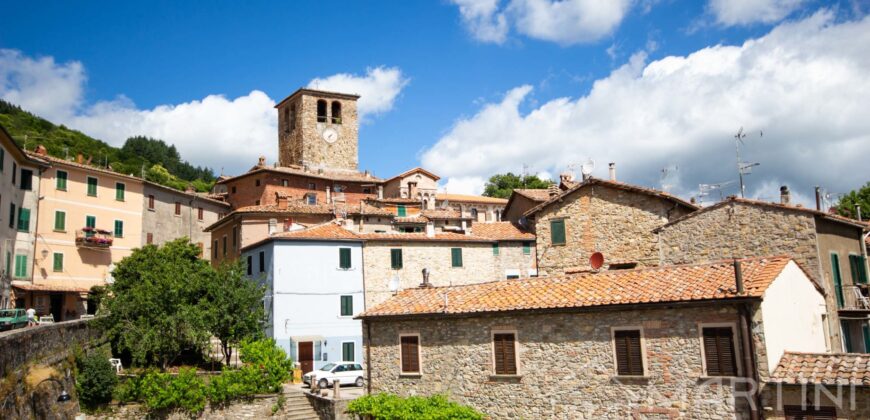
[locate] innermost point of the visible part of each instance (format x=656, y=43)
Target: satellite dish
x=394, y=284
x=596, y=260
x=586, y=168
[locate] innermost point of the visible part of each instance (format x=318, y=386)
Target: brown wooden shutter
x=410, y=355
x=629, y=359
x=719, y=351
x=505, y=354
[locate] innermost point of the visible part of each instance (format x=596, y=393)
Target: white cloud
x=562, y=21
x=744, y=12
x=215, y=131
x=378, y=88
x=804, y=84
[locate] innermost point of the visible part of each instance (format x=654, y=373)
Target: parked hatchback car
x=12, y=318
x=343, y=372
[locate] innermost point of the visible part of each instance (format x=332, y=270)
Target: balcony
x=89, y=237
x=854, y=298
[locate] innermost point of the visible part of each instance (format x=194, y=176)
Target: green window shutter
x=92, y=186
x=21, y=266
x=865, y=329
x=838, y=280
x=346, y=305
x=527, y=248
x=862, y=271
x=91, y=221
x=344, y=258
x=402, y=211
x=396, y=259
x=557, y=232
x=59, y=220
x=347, y=352
x=858, y=268
x=61, y=180
x=847, y=336
x=495, y=249
x=23, y=219
x=8, y=260
x=119, y=228
x=119, y=191
x=58, y=262
x=456, y=257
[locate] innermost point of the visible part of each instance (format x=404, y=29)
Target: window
x=401, y=211
x=11, y=215
x=311, y=199
x=396, y=258
x=262, y=257
x=344, y=258
x=250, y=267
x=57, y=265
x=796, y=412
x=504, y=357
x=60, y=221
x=474, y=214
x=347, y=352
x=838, y=280
x=23, y=220
x=312, y=186
x=409, y=353
x=26, y=179
x=119, y=228
x=321, y=111
x=150, y=202
x=149, y=238
x=92, y=186
x=119, y=191
x=495, y=249
x=199, y=213
x=91, y=221
x=225, y=245
x=215, y=249
x=557, y=232
x=527, y=248
x=718, y=346
x=2, y=156
x=14, y=173
x=177, y=208
x=233, y=190
x=60, y=180
x=336, y=112
x=257, y=183
x=858, y=265
x=628, y=352
x=286, y=120
x=21, y=266
x=293, y=116
x=347, y=306
x=456, y=257
x=285, y=183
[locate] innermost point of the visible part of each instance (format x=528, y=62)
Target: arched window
x=292, y=117
x=336, y=112
x=474, y=214
x=321, y=111
x=286, y=122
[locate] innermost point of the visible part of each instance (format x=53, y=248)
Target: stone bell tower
x=318, y=130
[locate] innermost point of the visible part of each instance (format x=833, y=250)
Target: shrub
x=234, y=383
x=96, y=379
x=392, y=407
x=128, y=390
x=163, y=391
x=276, y=368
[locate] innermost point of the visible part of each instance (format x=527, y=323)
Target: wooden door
x=306, y=356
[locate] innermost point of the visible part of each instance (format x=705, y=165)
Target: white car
x=343, y=372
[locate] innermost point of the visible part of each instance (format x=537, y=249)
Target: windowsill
x=151, y=209
x=705, y=378
x=60, y=189
x=345, y=269
x=558, y=244
x=457, y=267
x=59, y=231
x=629, y=378
x=121, y=201
x=410, y=375
x=506, y=378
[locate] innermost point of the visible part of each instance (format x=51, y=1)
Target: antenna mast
x=743, y=168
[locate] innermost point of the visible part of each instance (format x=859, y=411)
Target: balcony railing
x=853, y=298
x=94, y=238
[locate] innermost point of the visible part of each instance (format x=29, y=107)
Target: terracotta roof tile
x=421, y=236
x=415, y=170
x=332, y=175
x=293, y=206
x=365, y=210
x=329, y=230
x=823, y=369
x=442, y=214
x=411, y=219
x=52, y=159
x=501, y=231
x=652, y=285
x=612, y=184
x=536, y=194
x=463, y=198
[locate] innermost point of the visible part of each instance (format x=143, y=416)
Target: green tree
x=96, y=379
x=233, y=307
x=502, y=185
x=846, y=206
x=155, y=312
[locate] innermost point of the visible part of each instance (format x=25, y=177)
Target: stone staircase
x=297, y=407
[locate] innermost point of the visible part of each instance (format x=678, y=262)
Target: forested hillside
x=140, y=156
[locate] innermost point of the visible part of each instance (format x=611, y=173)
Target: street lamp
x=62, y=398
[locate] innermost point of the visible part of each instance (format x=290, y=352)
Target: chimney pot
x=80, y=158
x=738, y=275
x=784, y=195
x=40, y=150
x=818, y=198
x=611, y=167
x=261, y=162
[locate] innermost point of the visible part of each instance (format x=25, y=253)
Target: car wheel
x=359, y=381
x=323, y=384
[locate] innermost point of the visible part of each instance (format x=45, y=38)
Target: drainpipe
x=747, y=346
x=368, y=345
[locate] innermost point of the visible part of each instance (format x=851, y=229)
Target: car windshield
x=328, y=366
x=7, y=313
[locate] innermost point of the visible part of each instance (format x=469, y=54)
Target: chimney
x=565, y=177
x=738, y=275
x=281, y=201
x=79, y=158
x=611, y=168
x=273, y=226
x=818, y=198
x=784, y=195
x=430, y=229
x=328, y=195
x=380, y=192
x=692, y=200
x=261, y=162
x=40, y=150
x=553, y=190
x=425, y=283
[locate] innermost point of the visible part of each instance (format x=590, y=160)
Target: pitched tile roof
x=331, y=175
x=293, y=207
x=329, y=230
x=535, y=194
x=501, y=231
x=421, y=236
x=823, y=369
x=612, y=184
x=463, y=198
x=444, y=214
x=684, y=283
x=414, y=170
x=411, y=219
x=56, y=160
x=364, y=209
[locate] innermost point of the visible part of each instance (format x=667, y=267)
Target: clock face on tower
x=329, y=135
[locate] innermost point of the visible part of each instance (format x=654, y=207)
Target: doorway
x=56, y=307
x=306, y=356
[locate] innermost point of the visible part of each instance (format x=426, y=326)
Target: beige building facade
x=169, y=214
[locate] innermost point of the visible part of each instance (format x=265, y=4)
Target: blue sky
x=115, y=69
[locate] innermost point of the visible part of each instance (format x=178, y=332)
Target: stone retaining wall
x=46, y=344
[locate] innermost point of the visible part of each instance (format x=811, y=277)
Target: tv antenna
x=667, y=171
x=525, y=174
x=743, y=168
x=705, y=190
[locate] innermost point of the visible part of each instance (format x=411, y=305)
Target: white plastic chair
x=863, y=301
x=116, y=363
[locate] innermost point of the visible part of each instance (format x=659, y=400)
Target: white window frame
x=643, y=361
x=738, y=357
x=505, y=330
x=419, y=354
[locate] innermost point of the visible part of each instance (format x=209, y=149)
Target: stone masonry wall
x=612, y=221
x=565, y=364
x=164, y=225
x=850, y=402
x=304, y=144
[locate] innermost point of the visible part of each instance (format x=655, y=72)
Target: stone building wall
x=164, y=225
x=850, y=402
x=565, y=364
x=263, y=186
x=304, y=145
x=615, y=222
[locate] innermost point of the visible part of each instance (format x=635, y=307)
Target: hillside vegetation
x=140, y=156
